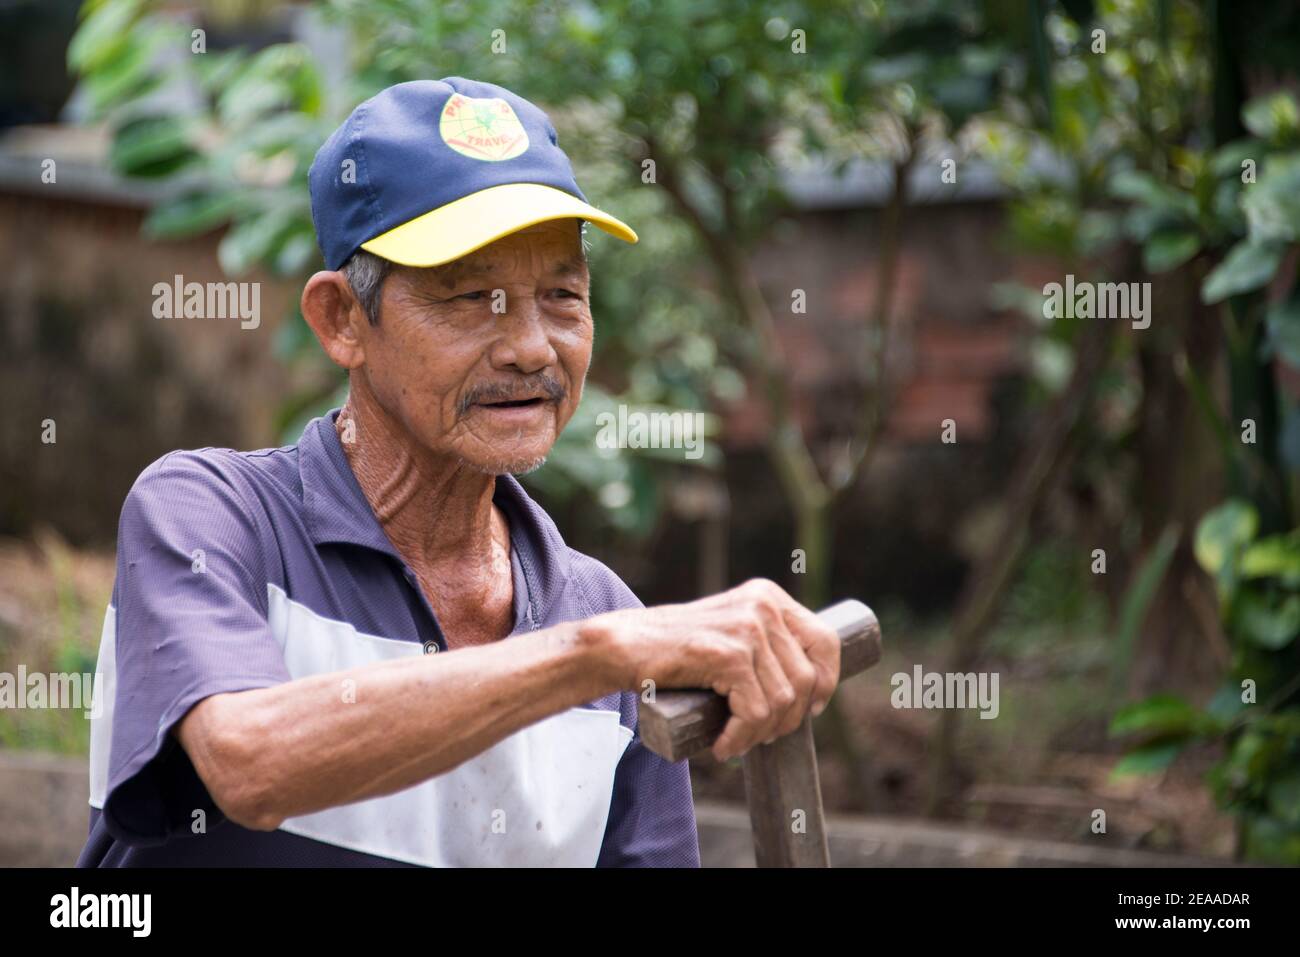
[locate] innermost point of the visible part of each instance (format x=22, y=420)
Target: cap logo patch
x=482, y=129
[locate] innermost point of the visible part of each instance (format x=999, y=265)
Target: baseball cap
x=428, y=171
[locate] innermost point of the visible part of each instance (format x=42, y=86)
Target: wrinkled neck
x=434, y=509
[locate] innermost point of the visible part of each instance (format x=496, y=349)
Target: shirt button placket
x=430, y=647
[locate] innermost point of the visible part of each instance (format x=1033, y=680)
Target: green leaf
x=257, y=241
x=1267, y=622
x=152, y=146
x=1272, y=205
x=1248, y=266
x=1277, y=556
x=104, y=34
x=1148, y=758
x=127, y=75
x=1223, y=533
x=217, y=69
x=280, y=77
x=1144, y=189
x=1169, y=250
x=1161, y=715
x=1275, y=118
x=1141, y=222
x=1228, y=158
x=190, y=215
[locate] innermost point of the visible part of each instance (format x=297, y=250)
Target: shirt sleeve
x=191, y=621
x=652, y=813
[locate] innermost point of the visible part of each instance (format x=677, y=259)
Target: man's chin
x=514, y=466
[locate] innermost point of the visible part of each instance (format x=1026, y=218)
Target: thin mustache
x=503, y=392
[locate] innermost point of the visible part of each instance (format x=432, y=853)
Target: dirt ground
x=1042, y=768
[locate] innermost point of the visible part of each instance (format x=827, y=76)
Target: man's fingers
x=821, y=645
x=801, y=675
x=728, y=744
x=748, y=705
x=781, y=695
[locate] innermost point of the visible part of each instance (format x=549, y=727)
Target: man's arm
x=272, y=753
x=267, y=754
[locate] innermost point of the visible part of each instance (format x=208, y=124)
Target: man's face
x=484, y=358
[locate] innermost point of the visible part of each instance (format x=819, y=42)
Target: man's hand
x=772, y=658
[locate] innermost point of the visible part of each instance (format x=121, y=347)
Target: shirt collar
x=336, y=511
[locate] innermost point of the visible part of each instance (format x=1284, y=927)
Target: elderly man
x=372, y=648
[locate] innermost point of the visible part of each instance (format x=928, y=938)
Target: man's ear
x=333, y=313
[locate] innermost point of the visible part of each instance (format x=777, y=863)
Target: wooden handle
x=681, y=724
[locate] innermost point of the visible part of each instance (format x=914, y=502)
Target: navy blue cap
x=427, y=171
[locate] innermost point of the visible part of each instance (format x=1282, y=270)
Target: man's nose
x=523, y=337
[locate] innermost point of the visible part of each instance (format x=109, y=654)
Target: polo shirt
x=240, y=570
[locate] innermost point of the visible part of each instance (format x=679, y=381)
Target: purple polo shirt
x=240, y=570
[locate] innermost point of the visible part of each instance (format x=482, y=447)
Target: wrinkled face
x=484, y=358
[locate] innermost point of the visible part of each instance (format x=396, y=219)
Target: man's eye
x=471, y=296
x=568, y=294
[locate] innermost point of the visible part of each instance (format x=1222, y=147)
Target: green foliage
x=1141, y=146
x=1247, y=267
x=1256, y=714
x=1274, y=119
x=1252, y=210
x=1148, y=758
x=1269, y=205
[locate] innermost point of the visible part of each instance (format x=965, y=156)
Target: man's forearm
x=319, y=742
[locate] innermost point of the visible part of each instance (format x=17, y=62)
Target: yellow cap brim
x=471, y=222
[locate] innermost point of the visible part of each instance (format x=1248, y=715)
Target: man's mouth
x=518, y=403
x=514, y=403
x=516, y=413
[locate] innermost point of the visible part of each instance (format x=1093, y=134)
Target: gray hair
x=366, y=273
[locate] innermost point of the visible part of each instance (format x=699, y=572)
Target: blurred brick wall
x=79, y=344
x=948, y=347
